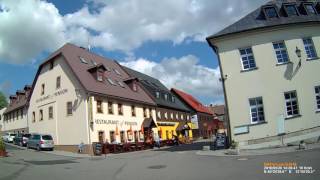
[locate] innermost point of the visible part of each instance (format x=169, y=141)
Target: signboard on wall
x=195, y=122
x=115, y=122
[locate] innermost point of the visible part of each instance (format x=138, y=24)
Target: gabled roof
x=217, y=110
x=257, y=20
x=152, y=86
x=80, y=60
x=191, y=101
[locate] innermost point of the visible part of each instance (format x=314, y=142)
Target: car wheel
x=51, y=149
x=38, y=148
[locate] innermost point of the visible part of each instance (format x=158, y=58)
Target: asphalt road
x=164, y=164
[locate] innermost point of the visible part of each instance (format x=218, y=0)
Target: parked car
x=21, y=139
x=40, y=142
x=8, y=137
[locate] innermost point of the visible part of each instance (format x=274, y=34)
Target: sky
x=164, y=39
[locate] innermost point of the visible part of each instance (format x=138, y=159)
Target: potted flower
x=234, y=148
x=3, y=152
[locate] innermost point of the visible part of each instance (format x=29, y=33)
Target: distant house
x=15, y=117
x=202, y=118
x=269, y=63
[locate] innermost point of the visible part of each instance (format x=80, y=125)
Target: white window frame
x=281, y=50
x=292, y=99
x=257, y=105
x=247, y=56
x=308, y=47
x=317, y=88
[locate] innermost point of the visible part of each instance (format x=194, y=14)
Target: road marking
x=242, y=159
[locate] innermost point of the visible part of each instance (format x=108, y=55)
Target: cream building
x=82, y=97
x=15, y=117
x=1, y=119
x=269, y=62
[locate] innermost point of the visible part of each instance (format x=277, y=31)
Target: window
x=17, y=114
x=42, y=89
x=166, y=115
x=33, y=116
x=256, y=110
x=247, y=59
x=281, y=52
x=110, y=107
x=111, y=82
x=159, y=114
x=99, y=106
x=99, y=76
x=171, y=115
x=112, y=137
x=166, y=97
x=134, y=86
x=69, y=108
x=120, y=109
x=122, y=137
x=133, y=110
x=93, y=62
x=144, y=112
x=157, y=95
x=308, y=46
x=181, y=116
x=271, y=12
x=291, y=10
x=40, y=115
x=117, y=72
x=121, y=84
x=291, y=103
x=51, y=65
x=82, y=60
x=173, y=99
x=317, y=91
x=58, y=82
x=150, y=112
x=310, y=9
x=50, y=112
x=177, y=116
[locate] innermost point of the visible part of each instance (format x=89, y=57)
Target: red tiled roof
x=191, y=101
x=217, y=109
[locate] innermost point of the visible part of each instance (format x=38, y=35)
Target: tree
x=3, y=101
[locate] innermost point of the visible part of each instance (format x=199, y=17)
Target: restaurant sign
x=115, y=122
x=58, y=93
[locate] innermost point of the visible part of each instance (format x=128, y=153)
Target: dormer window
x=166, y=97
x=93, y=62
x=117, y=72
x=173, y=99
x=157, y=95
x=82, y=60
x=309, y=8
x=291, y=10
x=100, y=76
x=271, y=12
x=134, y=87
x=111, y=82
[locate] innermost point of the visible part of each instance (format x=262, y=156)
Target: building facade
x=2, y=119
x=15, y=117
x=201, y=118
x=269, y=62
x=82, y=97
x=172, y=116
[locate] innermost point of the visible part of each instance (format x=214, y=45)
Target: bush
x=2, y=145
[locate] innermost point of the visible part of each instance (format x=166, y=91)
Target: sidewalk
x=257, y=152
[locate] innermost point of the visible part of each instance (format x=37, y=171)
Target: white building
x=2, y=119
x=269, y=62
x=16, y=114
x=82, y=97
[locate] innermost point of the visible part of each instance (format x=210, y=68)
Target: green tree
x=3, y=101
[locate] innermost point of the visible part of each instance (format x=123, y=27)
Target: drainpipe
x=223, y=78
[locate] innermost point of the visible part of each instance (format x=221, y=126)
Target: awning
x=183, y=126
x=149, y=123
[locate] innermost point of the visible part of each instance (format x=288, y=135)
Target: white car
x=8, y=137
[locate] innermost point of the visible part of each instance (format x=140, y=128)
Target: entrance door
x=136, y=137
x=122, y=138
x=101, y=136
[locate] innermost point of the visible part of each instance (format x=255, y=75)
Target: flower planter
x=3, y=153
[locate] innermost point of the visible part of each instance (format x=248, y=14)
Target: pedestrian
x=80, y=147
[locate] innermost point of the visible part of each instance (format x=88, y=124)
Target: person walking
x=80, y=147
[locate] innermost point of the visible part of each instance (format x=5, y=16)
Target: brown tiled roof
x=17, y=104
x=72, y=54
x=217, y=109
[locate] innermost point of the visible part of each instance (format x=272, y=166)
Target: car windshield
x=46, y=137
x=12, y=134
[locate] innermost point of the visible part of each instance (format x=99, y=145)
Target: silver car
x=41, y=142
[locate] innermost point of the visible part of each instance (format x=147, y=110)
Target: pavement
x=173, y=163
x=257, y=152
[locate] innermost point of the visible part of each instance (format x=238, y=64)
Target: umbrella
x=117, y=130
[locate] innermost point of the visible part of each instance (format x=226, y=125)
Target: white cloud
x=182, y=73
x=31, y=27
x=27, y=29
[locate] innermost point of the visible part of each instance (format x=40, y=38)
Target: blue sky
x=148, y=39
